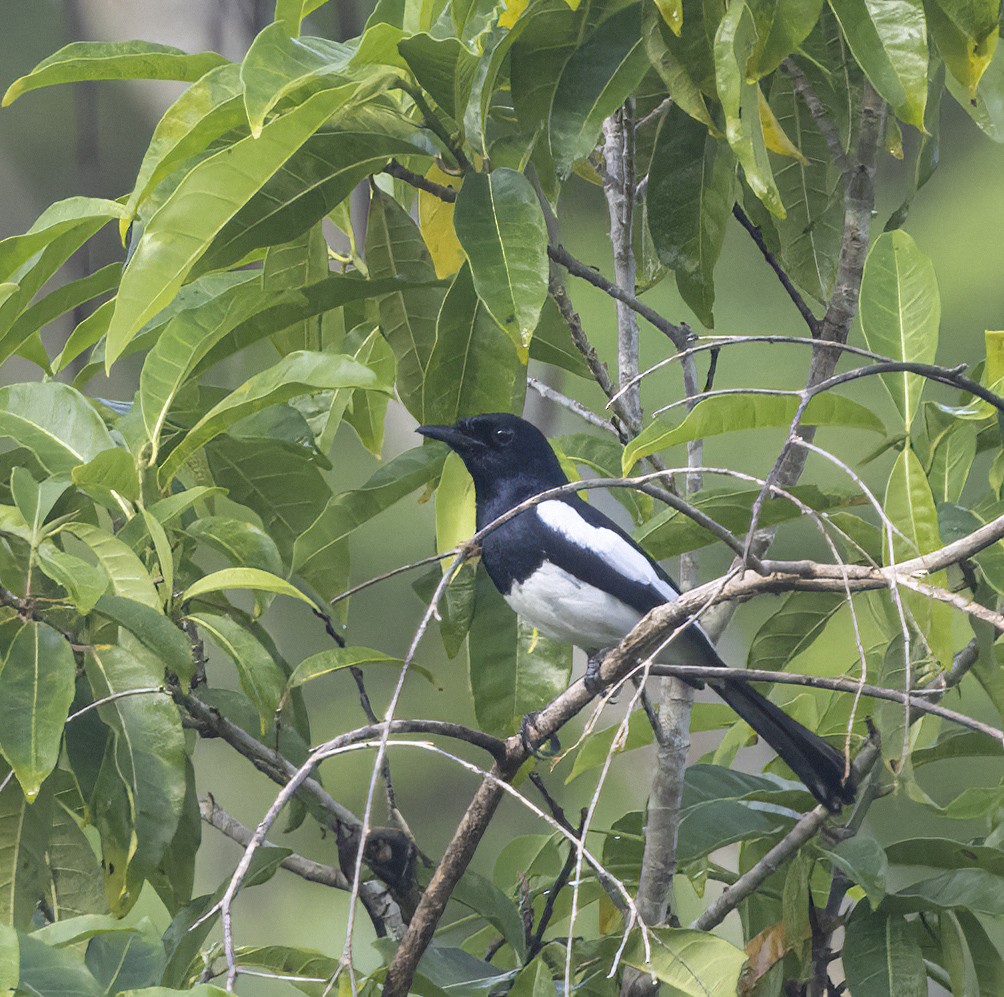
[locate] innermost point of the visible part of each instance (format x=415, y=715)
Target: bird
x=572, y=573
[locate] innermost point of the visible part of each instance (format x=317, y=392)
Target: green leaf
x=987, y=108
x=54, y=972
x=299, y=373
x=695, y=963
x=513, y=671
x=188, y=221
x=900, y=313
x=552, y=342
x=148, y=754
x=793, y=628
x=887, y=959
x=24, y=838
x=129, y=577
x=313, y=181
x=127, y=959
x=690, y=197
x=62, y=219
x=241, y=315
x=810, y=232
x=10, y=958
x=500, y=224
x=444, y=68
x=951, y=462
x=301, y=261
x=209, y=108
x=367, y=409
x=278, y=63
x=889, y=42
x=534, y=980
x=35, y=499
x=153, y=630
x=966, y=35
x=910, y=506
x=599, y=76
x=781, y=27
x=75, y=888
x=261, y=678
x=347, y=511
x=36, y=689
x=728, y=413
x=111, y=471
x=596, y=747
x=85, y=583
x=278, y=481
x=55, y=422
x=113, y=61
x=394, y=247
x=484, y=898
x=473, y=367
x=670, y=533
x=335, y=659
x=243, y=543
x=664, y=51
x=863, y=861
x=64, y=299
x=734, y=44
x=242, y=578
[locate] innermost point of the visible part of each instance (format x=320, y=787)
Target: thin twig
x=587, y=415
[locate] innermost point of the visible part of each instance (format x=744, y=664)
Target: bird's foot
x=592, y=679
x=547, y=747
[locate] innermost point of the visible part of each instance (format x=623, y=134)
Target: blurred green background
x=89, y=140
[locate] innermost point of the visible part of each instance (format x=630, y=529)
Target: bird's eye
x=504, y=436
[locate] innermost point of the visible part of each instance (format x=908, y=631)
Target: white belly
x=561, y=606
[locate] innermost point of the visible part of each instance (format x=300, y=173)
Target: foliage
x=132, y=533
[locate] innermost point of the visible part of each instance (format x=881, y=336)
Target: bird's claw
x=548, y=747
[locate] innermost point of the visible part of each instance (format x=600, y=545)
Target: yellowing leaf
x=435, y=220
x=672, y=14
x=774, y=136
x=510, y=15
x=995, y=356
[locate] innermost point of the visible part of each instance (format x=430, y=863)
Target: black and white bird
x=576, y=576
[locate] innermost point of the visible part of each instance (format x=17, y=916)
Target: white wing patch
x=621, y=555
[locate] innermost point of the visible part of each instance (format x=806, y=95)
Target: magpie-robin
x=576, y=576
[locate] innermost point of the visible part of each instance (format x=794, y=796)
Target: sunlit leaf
x=900, y=313
x=728, y=413
x=113, y=61
x=242, y=578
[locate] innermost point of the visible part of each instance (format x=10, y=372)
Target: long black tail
x=818, y=765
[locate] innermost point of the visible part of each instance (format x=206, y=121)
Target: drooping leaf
x=781, y=27
x=889, y=42
x=863, y=861
x=735, y=41
x=54, y=972
x=887, y=959
x=335, y=659
x=444, y=68
x=394, y=247
x=596, y=80
x=690, y=197
x=473, y=367
x=24, y=874
x=810, y=232
x=900, y=313
x=113, y=61
x=728, y=413
x=500, y=224
x=664, y=53
x=435, y=220
x=148, y=751
x=36, y=689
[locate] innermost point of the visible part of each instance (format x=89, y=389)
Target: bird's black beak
x=455, y=438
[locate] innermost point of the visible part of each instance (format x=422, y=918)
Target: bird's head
x=498, y=448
